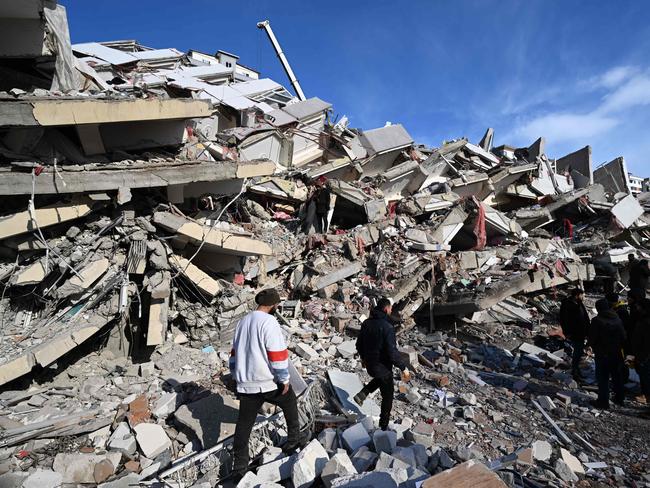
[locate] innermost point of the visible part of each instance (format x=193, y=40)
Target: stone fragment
x=573, y=462
x=165, y=405
x=42, y=478
x=339, y=465
x=384, y=441
x=250, y=480
x=386, y=461
x=309, y=464
x=347, y=349
x=129, y=481
x=363, y=459
x=305, y=351
x=421, y=433
x=355, y=436
x=469, y=474
x=564, y=472
x=542, y=450
x=413, y=396
x=546, y=403
x=122, y=440
x=103, y=470
x=375, y=479
x=199, y=417
x=278, y=470
x=327, y=438
x=525, y=456
x=80, y=467
x=468, y=413
x=152, y=439
x=138, y=411
x=468, y=399
x=405, y=454
x=421, y=456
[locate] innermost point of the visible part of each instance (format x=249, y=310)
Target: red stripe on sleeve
x=278, y=355
x=232, y=352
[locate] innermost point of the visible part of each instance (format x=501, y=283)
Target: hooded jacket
x=607, y=335
x=377, y=346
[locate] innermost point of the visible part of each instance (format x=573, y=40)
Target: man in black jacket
x=639, y=275
x=574, y=320
x=377, y=348
x=607, y=338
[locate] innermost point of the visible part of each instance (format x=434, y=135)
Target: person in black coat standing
x=574, y=320
x=639, y=275
x=607, y=339
x=640, y=309
x=377, y=348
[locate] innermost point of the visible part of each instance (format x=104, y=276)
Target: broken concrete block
x=405, y=454
x=546, y=403
x=203, y=281
x=278, y=470
x=384, y=441
x=355, y=436
x=375, y=479
x=467, y=399
x=308, y=465
x=250, y=480
x=542, y=450
x=80, y=467
x=339, y=465
x=43, y=478
x=421, y=456
x=165, y=405
x=103, y=470
x=305, y=351
x=199, y=417
x=122, y=440
x=347, y=349
x=470, y=474
x=386, y=461
x=84, y=278
x=152, y=439
x=128, y=481
x=421, y=433
x=363, y=459
x=564, y=472
x=327, y=438
x=572, y=462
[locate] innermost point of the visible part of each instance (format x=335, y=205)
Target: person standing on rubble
x=259, y=364
x=377, y=348
x=322, y=199
x=640, y=313
x=607, y=338
x=639, y=275
x=574, y=320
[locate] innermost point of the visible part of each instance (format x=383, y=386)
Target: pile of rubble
x=147, y=194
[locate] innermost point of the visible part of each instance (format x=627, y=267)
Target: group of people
x=259, y=366
x=619, y=332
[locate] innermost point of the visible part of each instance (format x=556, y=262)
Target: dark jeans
x=643, y=369
x=578, y=351
x=385, y=386
x=606, y=368
x=249, y=405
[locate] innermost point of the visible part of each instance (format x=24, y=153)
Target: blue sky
x=576, y=72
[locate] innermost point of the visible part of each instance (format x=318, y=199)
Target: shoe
x=620, y=404
x=360, y=397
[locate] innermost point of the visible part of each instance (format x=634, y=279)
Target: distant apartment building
x=636, y=184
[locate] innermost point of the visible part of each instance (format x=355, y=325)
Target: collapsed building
x=147, y=194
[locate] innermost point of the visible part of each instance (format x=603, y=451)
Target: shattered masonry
x=147, y=194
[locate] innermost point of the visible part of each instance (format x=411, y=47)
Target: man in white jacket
x=259, y=364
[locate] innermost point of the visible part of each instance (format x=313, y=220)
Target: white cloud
x=613, y=77
x=633, y=93
x=560, y=127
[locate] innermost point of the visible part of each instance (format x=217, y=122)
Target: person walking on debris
x=640, y=311
x=607, y=338
x=377, y=348
x=574, y=320
x=259, y=364
x=322, y=198
x=639, y=275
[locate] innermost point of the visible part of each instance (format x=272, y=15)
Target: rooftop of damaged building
x=147, y=194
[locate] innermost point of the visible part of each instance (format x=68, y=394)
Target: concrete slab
x=346, y=385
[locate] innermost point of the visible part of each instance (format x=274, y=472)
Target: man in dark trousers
x=377, y=348
x=259, y=364
x=639, y=275
x=607, y=338
x=640, y=311
x=574, y=320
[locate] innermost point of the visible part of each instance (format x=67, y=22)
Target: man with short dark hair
x=574, y=320
x=259, y=363
x=377, y=348
x=607, y=338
